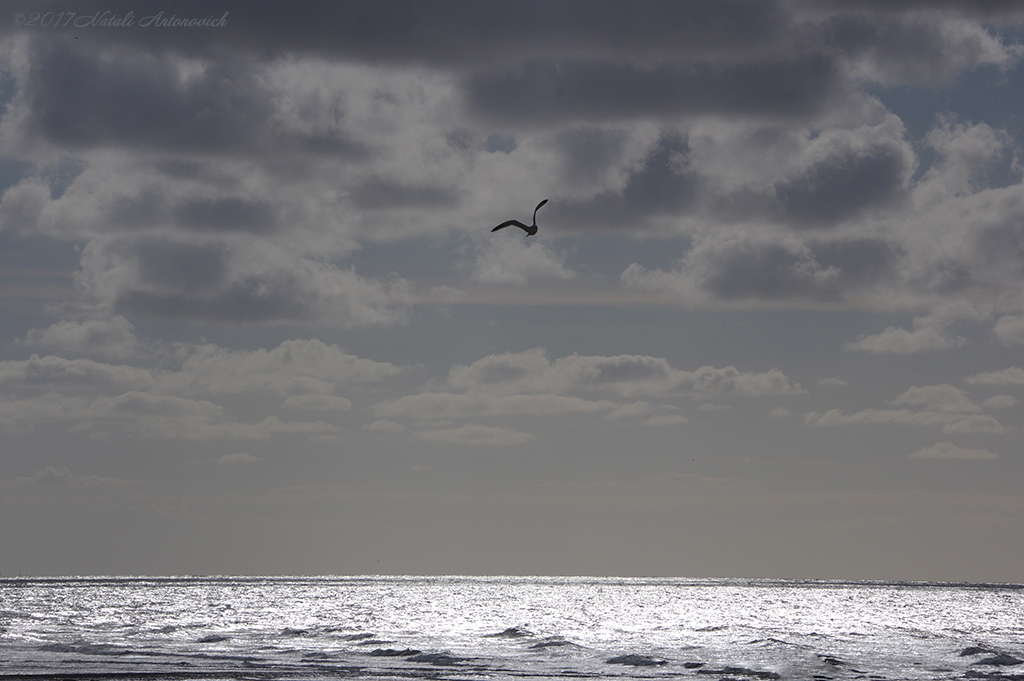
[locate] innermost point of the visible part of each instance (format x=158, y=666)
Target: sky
x=255, y=320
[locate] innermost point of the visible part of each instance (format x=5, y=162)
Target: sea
x=492, y=628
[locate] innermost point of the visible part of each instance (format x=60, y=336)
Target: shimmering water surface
x=508, y=627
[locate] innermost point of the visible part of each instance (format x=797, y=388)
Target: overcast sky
x=255, y=320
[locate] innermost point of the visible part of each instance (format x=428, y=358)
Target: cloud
x=56, y=374
x=975, y=423
x=543, y=92
x=189, y=402
x=238, y=458
x=142, y=415
x=233, y=281
x=1008, y=376
x=882, y=41
x=229, y=179
x=61, y=478
x=929, y=332
x=949, y=451
x=949, y=422
x=849, y=173
x=294, y=368
x=831, y=382
x=743, y=267
x=630, y=410
x=433, y=406
x=965, y=151
x=1000, y=401
x=161, y=100
x=471, y=434
x=898, y=341
x=1009, y=330
x=731, y=381
x=385, y=426
x=315, y=402
x=637, y=188
x=666, y=420
x=942, y=405
x=508, y=259
x=528, y=384
x=908, y=46
x=110, y=338
x=624, y=375
x=943, y=398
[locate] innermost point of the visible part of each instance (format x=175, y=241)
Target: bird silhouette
x=531, y=229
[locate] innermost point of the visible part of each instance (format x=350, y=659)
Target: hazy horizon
x=255, y=321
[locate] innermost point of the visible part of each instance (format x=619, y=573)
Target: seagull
x=531, y=230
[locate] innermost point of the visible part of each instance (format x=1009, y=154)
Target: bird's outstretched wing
x=510, y=223
x=537, y=209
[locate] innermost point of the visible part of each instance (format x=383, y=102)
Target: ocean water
x=507, y=628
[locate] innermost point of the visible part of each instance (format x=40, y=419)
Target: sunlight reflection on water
x=565, y=626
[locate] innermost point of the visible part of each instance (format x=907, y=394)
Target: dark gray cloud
x=181, y=267
x=82, y=97
x=769, y=271
x=469, y=33
x=1003, y=243
x=924, y=49
x=845, y=185
x=250, y=300
x=231, y=280
x=226, y=215
x=588, y=152
x=458, y=32
x=822, y=271
x=861, y=262
x=11, y=171
x=145, y=209
x=606, y=370
x=524, y=62
x=376, y=193
x=745, y=268
x=987, y=9
x=549, y=91
x=662, y=185
x=192, y=281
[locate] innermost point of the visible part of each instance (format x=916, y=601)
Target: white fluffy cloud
x=943, y=398
x=528, y=384
x=624, y=375
x=238, y=458
x=949, y=451
x=295, y=367
x=434, y=406
x=950, y=423
x=1000, y=401
x=903, y=342
x=53, y=374
x=111, y=338
x=1008, y=376
x=507, y=259
x=944, y=405
x=1009, y=330
x=929, y=332
x=189, y=402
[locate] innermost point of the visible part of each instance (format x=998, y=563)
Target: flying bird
x=530, y=230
